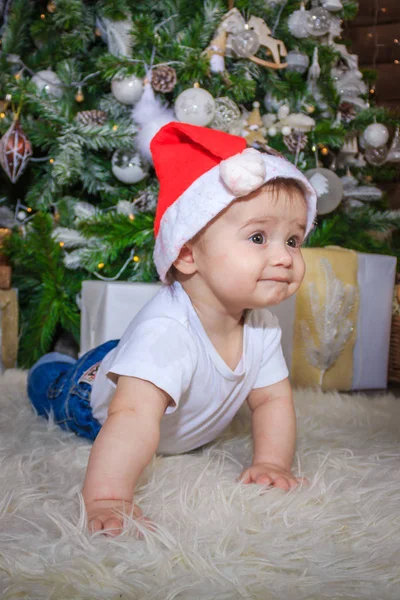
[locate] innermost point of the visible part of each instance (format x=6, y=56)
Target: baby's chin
x=270, y=293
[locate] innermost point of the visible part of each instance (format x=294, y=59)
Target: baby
x=229, y=226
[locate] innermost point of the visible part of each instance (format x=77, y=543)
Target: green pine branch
x=46, y=291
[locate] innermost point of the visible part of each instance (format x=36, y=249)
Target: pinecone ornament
x=295, y=141
x=347, y=111
x=163, y=79
x=91, y=117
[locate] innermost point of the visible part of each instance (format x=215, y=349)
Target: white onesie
x=167, y=345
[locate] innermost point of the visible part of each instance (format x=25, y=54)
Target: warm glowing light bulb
x=100, y=266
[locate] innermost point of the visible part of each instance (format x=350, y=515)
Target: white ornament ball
x=22, y=215
x=271, y=102
x=195, y=106
x=49, y=82
x=329, y=189
x=127, y=90
x=297, y=23
x=272, y=131
x=128, y=166
x=376, y=135
x=286, y=130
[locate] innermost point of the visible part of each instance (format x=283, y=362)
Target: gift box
x=108, y=308
x=8, y=328
x=343, y=312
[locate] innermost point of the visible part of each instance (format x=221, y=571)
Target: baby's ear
x=185, y=261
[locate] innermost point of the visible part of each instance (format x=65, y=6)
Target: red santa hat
x=201, y=171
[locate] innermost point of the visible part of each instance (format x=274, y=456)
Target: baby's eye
x=258, y=238
x=294, y=242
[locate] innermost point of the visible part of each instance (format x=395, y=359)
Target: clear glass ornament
x=297, y=61
x=195, y=106
x=376, y=156
x=226, y=115
x=394, y=150
x=318, y=21
x=245, y=43
x=128, y=166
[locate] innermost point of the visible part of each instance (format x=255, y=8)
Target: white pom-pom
x=244, y=172
x=150, y=114
x=217, y=63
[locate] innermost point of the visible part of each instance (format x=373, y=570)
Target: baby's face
x=250, y=256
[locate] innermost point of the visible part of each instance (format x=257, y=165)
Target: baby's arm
x=123, y=448
x=274, y=436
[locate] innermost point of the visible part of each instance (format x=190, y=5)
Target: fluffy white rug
x=216, y=539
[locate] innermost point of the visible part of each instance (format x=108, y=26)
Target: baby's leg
x=49, y=373
x=56, y=387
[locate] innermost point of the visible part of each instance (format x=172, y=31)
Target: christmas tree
x=84, y=86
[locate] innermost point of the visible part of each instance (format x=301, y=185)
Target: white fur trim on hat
x=208, y=195
x=243, y=173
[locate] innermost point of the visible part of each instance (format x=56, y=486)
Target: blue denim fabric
x=54, y=388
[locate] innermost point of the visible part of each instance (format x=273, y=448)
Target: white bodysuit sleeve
x=159, y=350
x=273, y=365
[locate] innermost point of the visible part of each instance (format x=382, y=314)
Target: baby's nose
x=280, y=255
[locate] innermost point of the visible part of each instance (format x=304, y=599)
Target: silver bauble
x=128, y=166
x=329, y=189
x=127, y=90
x=297, y=61
x=195, y=106
x=49, y=82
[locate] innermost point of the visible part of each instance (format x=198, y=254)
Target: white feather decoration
x=150, y=114
x=330, y=317
x=84, y=210
x=124, y=207
x=70, y=237
x=320, y=184
x=243, y=172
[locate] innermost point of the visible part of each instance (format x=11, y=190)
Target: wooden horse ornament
x=276, y=47
x=232, y=24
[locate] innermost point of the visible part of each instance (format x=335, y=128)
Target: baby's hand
x=104, y=515
x=270, y=474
